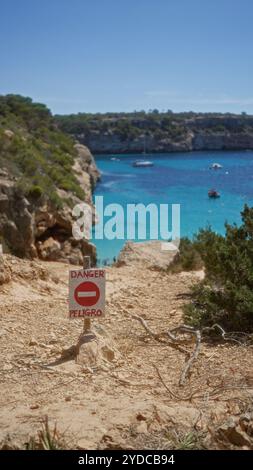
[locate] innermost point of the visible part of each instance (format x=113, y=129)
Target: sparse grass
x=47, y=439
x=164, y=439
x=192, y=440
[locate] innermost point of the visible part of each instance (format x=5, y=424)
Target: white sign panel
x=86, y=293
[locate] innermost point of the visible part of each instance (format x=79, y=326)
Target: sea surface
x=177, y=178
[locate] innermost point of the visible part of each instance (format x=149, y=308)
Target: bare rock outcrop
x=236, y=431
x=199, y=139
x=148, y=254
x=96, y=350
x=111, y=142
x=85, y=165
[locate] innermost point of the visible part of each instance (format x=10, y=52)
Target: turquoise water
x=178, y=178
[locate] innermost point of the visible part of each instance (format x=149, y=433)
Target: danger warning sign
x=86, y=293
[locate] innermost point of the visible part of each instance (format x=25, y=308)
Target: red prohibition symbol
x=87, y=294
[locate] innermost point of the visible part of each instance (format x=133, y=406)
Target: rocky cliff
x=155, y=133
x=37, y=228
x=42, y=176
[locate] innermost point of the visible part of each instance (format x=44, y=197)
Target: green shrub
x=188, y=258
x=225, y=296
x=35, y=192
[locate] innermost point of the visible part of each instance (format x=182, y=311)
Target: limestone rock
x=149, y=254
x=237, y=431
x=85, y=164
x=50, y=249
x=93, y=350
x=234, y=434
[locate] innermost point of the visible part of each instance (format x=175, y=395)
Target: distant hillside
x=159, y=132
x=43, y=174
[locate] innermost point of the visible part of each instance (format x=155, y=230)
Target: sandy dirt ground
x=121, y=402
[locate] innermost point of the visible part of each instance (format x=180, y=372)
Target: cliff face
x=37, y=228
x=198, y=140
x=111, y=142
x=160, y=132
x=43, y=174
x=222, y=141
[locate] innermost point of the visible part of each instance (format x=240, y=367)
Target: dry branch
x=174, y=342
x=158, y=336
x=174, y=395
x=196, y=333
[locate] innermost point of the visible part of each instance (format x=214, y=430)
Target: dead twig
x=216, y=326
x=174, y=342
x=158, y=336
x=196, y=333
x=226, y=336
x=194, y=394
x=174, y=395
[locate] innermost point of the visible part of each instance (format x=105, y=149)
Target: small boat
x=143, y=163
x=213, y=193
x=216, y=166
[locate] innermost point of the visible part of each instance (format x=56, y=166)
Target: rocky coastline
x=156, y=135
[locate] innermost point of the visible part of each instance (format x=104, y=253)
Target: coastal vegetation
x=159, y=131
x=34, y=150
x=150, y=120
x=225, y=296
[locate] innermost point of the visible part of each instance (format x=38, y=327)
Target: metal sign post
x=87, y=321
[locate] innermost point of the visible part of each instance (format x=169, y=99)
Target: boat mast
x=144, y=144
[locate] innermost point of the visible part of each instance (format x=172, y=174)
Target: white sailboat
x=143, y=163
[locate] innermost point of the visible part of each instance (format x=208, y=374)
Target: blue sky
x=121, y=55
